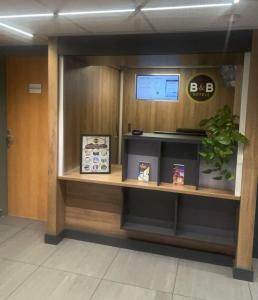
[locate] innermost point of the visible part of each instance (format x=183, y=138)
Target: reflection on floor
x=33, y=270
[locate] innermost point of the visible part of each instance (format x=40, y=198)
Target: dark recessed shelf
x=206, y=234
x=190, y=217
x=149, y=211
x=149, y=226
x=162, y=152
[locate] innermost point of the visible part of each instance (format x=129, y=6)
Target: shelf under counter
x=115, y=179
x=148, y=226
x=205, y=234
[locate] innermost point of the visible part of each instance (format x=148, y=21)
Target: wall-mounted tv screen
x=157, y=87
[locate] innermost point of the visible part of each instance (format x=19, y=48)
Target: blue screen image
x=157, y=87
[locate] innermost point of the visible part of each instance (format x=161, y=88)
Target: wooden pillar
x=55, y=187
x=3, y=144
x=243, y=262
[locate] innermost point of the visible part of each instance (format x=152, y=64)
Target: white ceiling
x=148, y=22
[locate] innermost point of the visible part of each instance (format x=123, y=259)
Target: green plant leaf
x=206, y=141
x=242, y=139
x=229, y=176
x=228, y=151
x=223, y=172
x=217, y=150
x=218, y=165
x=204, y=122
x=211, y=155
x=217, y=178
x=222, y=138
x=208, y=171
x=232, y=177
x=215, y=170
x=203, y=154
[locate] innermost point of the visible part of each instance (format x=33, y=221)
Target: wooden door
x=28, y=153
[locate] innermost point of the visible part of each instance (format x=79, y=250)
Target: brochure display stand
x=169, y=214
x=162, y=153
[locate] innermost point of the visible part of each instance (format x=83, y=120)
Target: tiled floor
x=32, y=270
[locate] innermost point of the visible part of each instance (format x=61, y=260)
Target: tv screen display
x=157, y=87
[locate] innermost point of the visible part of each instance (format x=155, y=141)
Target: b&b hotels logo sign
x=201, y=88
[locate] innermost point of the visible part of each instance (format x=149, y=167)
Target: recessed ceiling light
x=26, y=16
x=93, y=12
x=236, y=1
x=21, y=32
x=185, y=6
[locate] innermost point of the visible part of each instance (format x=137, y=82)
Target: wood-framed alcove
x=77, y=202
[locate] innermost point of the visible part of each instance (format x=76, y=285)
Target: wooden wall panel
x=94, y=207
x=100, y=103
x=168, y=116
x=28, y=154
x=250, y=169
x=72, y=112
x=91, y=104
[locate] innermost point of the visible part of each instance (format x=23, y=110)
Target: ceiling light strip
x=16, y=30
x=26, y=16
x=95, y=12
x=185, y=7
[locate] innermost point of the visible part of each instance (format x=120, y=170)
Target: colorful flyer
x=95, y=154
x=144, y=171
x=178, y=174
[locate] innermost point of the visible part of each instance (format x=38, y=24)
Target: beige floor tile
x=7, y=231
x=12, y=274
x=16, y=221
x=255, y=267
x=27, y=246
x=82, y=257
x=254, y=285
x=209, y=282
x=254, y=291
x=38, y=226
x=143, y=269
x=178, y=297
x=108, y=290
x=47, y=284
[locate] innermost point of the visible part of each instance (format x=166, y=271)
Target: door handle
x=9, y=138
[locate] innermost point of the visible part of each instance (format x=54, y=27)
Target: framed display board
x=95, y=154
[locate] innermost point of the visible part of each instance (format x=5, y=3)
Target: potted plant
x=221, y=142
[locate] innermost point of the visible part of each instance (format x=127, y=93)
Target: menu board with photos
x=95, y=154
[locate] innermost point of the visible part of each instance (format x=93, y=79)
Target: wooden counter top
x=114, y=179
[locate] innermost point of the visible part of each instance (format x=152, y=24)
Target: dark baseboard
x=243, y=274
x=138, y=245
x=54, y=239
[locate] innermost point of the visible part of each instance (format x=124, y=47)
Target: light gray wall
x=3, y=146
